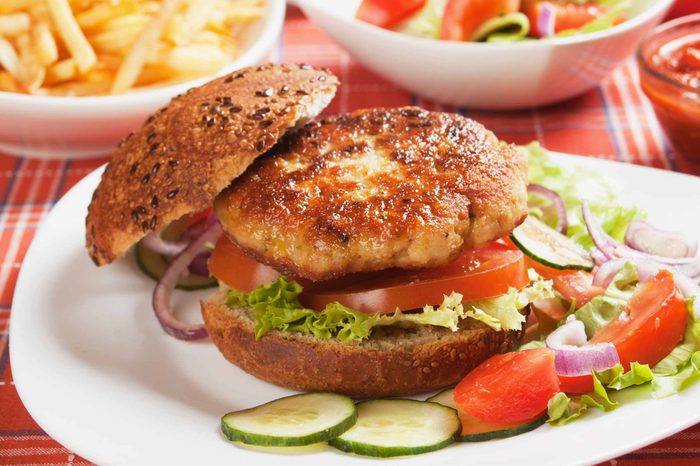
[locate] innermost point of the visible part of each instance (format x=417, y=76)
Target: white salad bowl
x=51, y=127
x=487, y=75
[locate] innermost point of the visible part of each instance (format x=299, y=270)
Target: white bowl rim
x=652, y=11
x=272, y=22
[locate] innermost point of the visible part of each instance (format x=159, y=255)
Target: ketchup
x=669, y=66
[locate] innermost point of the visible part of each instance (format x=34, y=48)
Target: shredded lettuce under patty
x=276, y=306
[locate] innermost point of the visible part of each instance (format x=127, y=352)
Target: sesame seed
x=146, y=178
x=155, y=169
x=153, y=147
x=133, y=168
x=304, y=66
x=154, y=222
x=172, y=193
x=302, y=92
x=321, y=78
x=235, y=109
x=151, y=136
x=260, y=145
x=154, y=202
x=228, y=79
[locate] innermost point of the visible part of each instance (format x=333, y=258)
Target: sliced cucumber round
x=292, y=421
x=549, y=247
x=154, y=265
x=399, y=427
x=475, y=430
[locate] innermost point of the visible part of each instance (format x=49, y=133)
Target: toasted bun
x=392, y=362
x=190, y=150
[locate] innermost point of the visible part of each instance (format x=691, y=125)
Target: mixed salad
x=493, y=20
x=612, y=303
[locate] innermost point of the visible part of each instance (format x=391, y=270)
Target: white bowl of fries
x=77, y=76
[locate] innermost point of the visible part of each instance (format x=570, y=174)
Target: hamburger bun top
x=191, y=149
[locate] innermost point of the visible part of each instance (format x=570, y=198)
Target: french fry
x=72, y=35
x=97, y=47
x=8, y=58
x=10, y=6
x=44, y=44
x=61, y=71
x=7, y=82
x=14, y=24
x=129, y=71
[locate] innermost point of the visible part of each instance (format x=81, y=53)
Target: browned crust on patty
x=375, y=189
x=392, y=362
x=190, y=150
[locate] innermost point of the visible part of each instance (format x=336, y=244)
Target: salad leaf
x=562, y=409
x=511, y=27
x=601, y=310
x=275, y=306
x=617, y=379
x=573, y=186
x=663, y=386
x=427, y=22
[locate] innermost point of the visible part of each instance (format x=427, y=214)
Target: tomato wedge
x=509, y=388
x=236, y=269
x=478, y=273
x=386, y=13
x=652, y=325
x=463, y=17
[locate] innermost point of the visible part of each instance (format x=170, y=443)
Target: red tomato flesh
x=387, y=13
x=236, y=269
x=478, y=273
x=571, y=284
x=651, y=326
x=462, y=18
x=509, y=388
x=576, y=383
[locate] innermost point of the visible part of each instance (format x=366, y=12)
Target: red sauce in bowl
x=669, y=67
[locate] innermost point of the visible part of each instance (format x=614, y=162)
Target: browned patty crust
x=190, y=150
x=375, y=189
x=394, y=361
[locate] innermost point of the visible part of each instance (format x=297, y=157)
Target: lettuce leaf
x=663, y=386
x=562, y=409
x=617, y=379
x=601, y=310
x=427, y=22
x=574, y=185
x=276, y=306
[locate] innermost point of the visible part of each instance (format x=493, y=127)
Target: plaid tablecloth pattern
x=613, y=121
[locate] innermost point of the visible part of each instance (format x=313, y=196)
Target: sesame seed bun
x=190, y=150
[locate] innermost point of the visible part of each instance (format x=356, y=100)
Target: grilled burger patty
x=376, y=189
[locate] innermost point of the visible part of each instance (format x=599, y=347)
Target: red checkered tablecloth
x=614, y=121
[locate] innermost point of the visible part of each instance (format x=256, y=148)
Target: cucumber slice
x=399, y=427
x=292, y=421
x=154, y=265
x=549, y=247
x=476, y=430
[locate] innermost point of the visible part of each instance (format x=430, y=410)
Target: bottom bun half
x=393, y=361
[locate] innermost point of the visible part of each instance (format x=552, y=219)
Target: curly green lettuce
x=276, y=306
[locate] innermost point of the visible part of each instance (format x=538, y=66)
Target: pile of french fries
x=101, y=47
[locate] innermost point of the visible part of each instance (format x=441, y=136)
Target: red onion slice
x=573, y=355
x=582, y=360
x=166, y=285
x=572, y=333
x=643, y=237
x=557, y=202
x=167, y=248
x=613, y=249
x=200, y=264
x=546, y=20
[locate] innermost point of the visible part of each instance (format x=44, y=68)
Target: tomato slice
x=463, y=17
x=651, y=326
x=567, y=15
x=548, y=312
x=478, y=273
x=236, y=269
x=386, y=13
x=509, y=388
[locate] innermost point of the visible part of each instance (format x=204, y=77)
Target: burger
x=357, y=254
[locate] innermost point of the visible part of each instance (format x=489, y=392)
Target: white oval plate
x=97, y=373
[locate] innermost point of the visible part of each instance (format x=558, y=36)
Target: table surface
x=613, y=121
